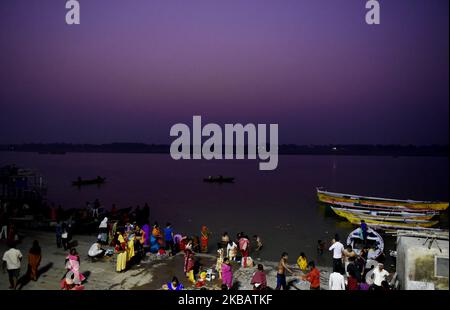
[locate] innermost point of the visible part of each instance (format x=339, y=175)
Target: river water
x=279, y=205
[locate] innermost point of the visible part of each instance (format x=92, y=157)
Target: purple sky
x=132, y=69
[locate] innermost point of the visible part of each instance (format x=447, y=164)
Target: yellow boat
x=382, y=215
x=334, y=198
x=407, y=224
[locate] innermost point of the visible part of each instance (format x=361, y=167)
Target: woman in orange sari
x=204, y=239
x=156, y=232
x=34, y=259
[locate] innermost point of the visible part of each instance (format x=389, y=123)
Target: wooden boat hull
x=382, y=215
x=335, y=198
x=359, y=206
x=392, y=224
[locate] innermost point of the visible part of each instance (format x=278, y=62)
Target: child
x=232, y=250
x=259, y=243
x=204, y=239
x=302, y=262
x=320, y=247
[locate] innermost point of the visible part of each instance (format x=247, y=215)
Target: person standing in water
x=281, y=274
x=259, y=243
x=204, y=239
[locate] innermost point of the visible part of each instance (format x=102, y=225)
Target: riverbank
x=150, y=274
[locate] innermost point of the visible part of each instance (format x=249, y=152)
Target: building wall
x=416, y=263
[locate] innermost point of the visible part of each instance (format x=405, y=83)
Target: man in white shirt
x=337, y=249
x=11, y=261
x=336, y=282
x=379, y=275
x=96, y=251
x=232, y=250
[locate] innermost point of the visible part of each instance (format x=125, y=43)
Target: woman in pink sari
x=73, y=264
x=227, y=273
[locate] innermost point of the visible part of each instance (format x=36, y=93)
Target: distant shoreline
x=284, y=149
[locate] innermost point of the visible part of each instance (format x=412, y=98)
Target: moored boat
x=382, y=215
x=336, y=198
x=374, y=242
x=397, y=224
x=218, y=179
x=360, y=206
x=97, y=181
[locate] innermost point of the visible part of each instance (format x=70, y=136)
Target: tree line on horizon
x=330, y=149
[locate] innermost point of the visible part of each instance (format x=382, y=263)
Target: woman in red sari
x=204, y=239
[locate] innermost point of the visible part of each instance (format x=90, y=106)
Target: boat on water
x=218, y=179
x=359, y=206
x=382, y=215
x=394, y=224
x=335, y=198
x=97, y=181
x=374, y=242
x=52, y=153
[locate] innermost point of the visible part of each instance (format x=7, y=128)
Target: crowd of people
x=12, y=261
x=128, y=236
x=349, y=269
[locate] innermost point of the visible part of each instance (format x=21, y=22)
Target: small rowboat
x=374, y=242
x=382, y=215
x=218, y=179
x=396, y=224
x=96, y=181
x=334, y=198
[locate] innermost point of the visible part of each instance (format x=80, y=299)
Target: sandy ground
x=152, y=272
